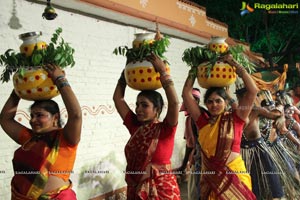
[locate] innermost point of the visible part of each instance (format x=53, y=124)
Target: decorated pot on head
x=30, y=42
x=218, y=44
x=33, y=83
x=141, y=38
x=141, y=75
x=219, y=75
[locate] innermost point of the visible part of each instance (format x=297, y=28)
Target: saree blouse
x=203, y=121
x=165, y=144
x=64, y=163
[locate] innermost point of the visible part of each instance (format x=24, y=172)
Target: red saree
x=146, y=180
x=218, y=181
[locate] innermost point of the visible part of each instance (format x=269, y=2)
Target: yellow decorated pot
x=34, y=85
x=218, y=44
x=221, y=75
x=142, y=76
x=142, y=38
x=30, y=40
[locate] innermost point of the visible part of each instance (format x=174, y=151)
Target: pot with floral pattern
x=34, y=84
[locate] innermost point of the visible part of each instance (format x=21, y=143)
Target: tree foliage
x=275, y=36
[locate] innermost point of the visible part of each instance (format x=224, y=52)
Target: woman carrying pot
x=44, y=161
x=223, y=174
x=149, y=149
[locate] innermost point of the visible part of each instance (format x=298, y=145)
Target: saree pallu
x=31, y=163
x=219, y=181
x=144, y=179
x=159, y=184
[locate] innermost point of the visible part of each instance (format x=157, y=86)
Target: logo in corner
x=246, y=8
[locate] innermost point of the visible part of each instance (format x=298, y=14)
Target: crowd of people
x=241, y=148
x=269, y=144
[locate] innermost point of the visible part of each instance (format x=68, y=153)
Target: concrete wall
x=100, y=158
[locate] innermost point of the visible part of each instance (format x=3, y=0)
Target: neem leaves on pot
x=57, y=52
x=158, y=46
x=139, y=73
x=206, y=66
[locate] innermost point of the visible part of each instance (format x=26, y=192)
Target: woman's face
x=215, y=104
x=42, y=121
x=145, y=110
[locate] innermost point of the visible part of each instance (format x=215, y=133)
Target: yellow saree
x=218, y=180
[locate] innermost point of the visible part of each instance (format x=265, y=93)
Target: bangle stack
x=166, y=80
x=61, y=82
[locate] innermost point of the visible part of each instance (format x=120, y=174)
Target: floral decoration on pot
x=206, y=63
x=139, y=73
x=31, y=81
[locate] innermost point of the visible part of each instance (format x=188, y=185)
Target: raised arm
x=245, y=104
x=118, y=97
x=7, y=117
x=72, y=129
x=268, y=114
x=189, y=102
x=168, y=86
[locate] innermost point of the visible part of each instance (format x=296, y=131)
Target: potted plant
x=31, y=81
x=139, y=73
x=205, y=62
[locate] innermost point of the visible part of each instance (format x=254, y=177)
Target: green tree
x=276, y=36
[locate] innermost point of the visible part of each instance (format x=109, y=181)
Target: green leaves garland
x=195, y=56
x=57, y=52
x=159, y=47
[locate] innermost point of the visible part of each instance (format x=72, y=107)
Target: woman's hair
x=154, y=97
x=219, y=90
x=50, y=106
